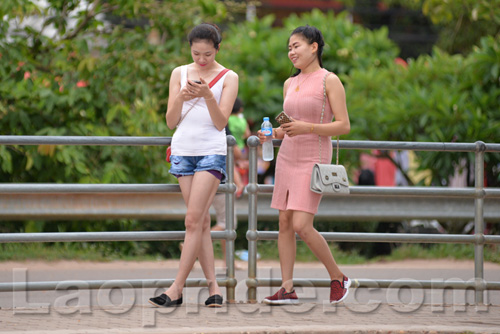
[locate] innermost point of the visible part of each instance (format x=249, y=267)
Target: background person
x=239, y=128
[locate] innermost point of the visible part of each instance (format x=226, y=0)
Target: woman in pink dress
x=299, y=151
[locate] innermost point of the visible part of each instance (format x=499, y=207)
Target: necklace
x=303, y=81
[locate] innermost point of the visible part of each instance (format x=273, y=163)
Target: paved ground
x=126, y=311
x=246, y=318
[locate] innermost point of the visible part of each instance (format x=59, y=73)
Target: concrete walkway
x=253, y=318
x=127, y=311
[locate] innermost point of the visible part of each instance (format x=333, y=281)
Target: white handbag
x=328, y=178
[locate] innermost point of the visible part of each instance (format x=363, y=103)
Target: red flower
x=82, y=83
x=401, y=61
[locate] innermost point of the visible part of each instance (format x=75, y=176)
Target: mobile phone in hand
x=283, y=118
x=197, y=81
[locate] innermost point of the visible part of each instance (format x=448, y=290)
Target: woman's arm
x=336, y=96
x=220, y=112
x=176, y=98
x=278, y=133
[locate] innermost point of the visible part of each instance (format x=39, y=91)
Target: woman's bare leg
x=303, y=225
x=198, y=192
x=206, y=257
x=286, y=248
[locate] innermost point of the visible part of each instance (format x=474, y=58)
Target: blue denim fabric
x=186, y=165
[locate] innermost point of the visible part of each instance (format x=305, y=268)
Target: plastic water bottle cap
x=266, y=119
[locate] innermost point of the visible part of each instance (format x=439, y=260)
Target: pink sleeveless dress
x=297, y=155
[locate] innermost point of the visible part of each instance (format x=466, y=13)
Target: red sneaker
x=339, y=291
x=282, y=298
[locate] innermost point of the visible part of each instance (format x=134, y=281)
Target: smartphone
x=197, y=81
x=283, y=118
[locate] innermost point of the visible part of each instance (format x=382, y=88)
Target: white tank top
x=197, y=134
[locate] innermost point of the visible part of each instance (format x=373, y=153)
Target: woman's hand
x=186, y=93
x=195, y=89
x=294, y=128
x=262, y=137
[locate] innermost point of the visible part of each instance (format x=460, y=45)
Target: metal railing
x=478, y=193
x=229, y=235
x=258, y=207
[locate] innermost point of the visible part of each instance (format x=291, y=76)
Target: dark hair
x=366, y=178
x=311, y=35
x=206, y=31
x=237, y=105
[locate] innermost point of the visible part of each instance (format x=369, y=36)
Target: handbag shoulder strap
x=220, y=75
x=321, y=119
x=210, y=85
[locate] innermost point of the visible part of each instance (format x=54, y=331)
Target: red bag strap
x=220, y=75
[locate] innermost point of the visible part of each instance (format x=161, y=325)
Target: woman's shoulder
x=232, y=73
x=333, y=83
x=332, y=78
x=178, y=69
x=231, y=76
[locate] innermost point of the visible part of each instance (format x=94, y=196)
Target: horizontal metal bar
x=398, y=145
x=263, y=282
x=104, y=284
x=407, y=191
x=171, y=206
x=85, y=140
x=103, y=236
x=379, y=283
x=417, y=146
x=164, y=141
x=95, y=188
x=492, y=239
x=412, y=146
x=388, y=237
x=223, y=188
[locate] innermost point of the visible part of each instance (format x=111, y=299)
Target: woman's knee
x=193, y=222
x=303, y=229
x=285, y=225
x=206, y=223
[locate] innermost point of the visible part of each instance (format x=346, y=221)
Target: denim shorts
x=187, y=165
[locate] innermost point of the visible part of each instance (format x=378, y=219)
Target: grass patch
x=65, y=251
x=441, y=251
x=268, y=250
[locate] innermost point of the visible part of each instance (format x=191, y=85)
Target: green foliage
x=91, y=79
x=437, y=98
x=463, y=22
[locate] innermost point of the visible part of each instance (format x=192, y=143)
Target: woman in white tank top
x=199, y=107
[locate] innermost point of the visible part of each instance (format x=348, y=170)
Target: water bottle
x=267, y=146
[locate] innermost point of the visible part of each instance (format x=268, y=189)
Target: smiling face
x=300, y=52
x=203, y=53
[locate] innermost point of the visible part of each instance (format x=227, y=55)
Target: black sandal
x=214, y=301
x=165, y=301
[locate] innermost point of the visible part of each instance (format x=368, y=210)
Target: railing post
x=253, y=143
x=230, y=233
x=479, y=222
